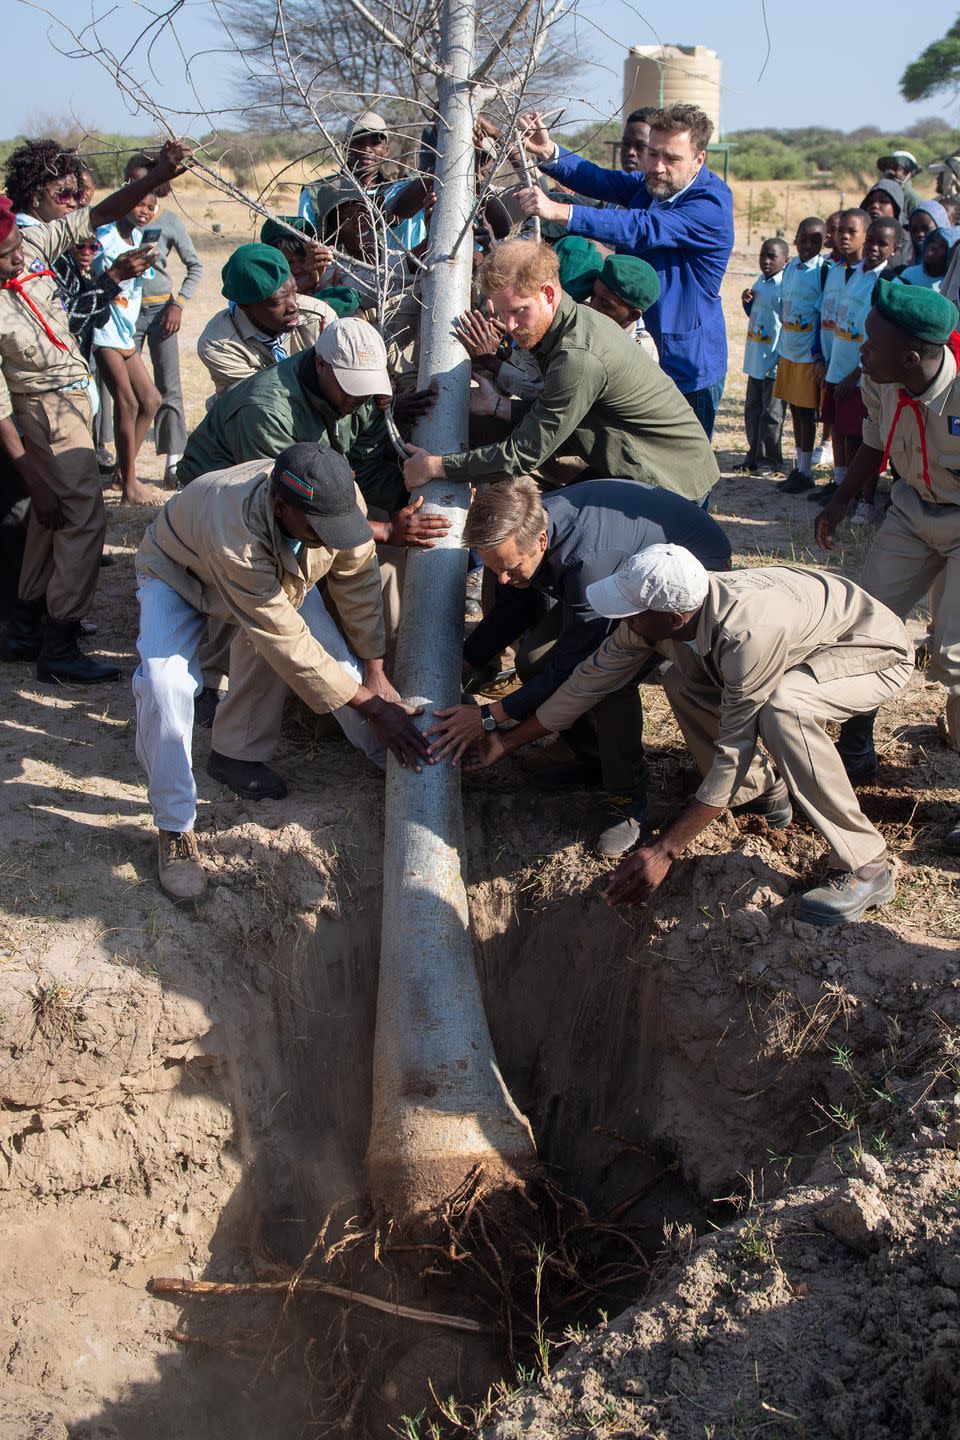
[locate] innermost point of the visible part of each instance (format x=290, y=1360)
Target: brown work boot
x=178, y=865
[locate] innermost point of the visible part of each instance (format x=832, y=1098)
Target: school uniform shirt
x=37, y=351
x=916, y=275
x=763, y=330
x=754, y=626
x=940, y=415
x=799, y=308
x=218, y=545
x=833, y=288
x=120, y=330
x=849, y=330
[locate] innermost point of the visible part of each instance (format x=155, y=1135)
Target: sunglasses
x=92, y=245
x=64, y=196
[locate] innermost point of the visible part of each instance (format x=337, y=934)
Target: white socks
x=804, y=461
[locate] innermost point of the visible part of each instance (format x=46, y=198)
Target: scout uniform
x=778, y=651
x=231, y=346
x=44, y=386
x=604, y=401
x=216, y=550
x=917, y=548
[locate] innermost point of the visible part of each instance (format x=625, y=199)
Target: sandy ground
x=155, y=1067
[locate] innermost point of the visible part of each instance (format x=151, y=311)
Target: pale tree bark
x=440, y=1105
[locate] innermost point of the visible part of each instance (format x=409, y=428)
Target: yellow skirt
x=796, y=383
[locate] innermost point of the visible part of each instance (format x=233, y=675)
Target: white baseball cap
x=949, y=162
x=355, y=352
x=661, y=577
x=900, y=157
x=369, y=122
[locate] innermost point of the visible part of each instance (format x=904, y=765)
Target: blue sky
x=847, y=81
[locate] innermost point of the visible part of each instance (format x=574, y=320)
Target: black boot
x=856, y=749
x=62, y=659
x=22, y=638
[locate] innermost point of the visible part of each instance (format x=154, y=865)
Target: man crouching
x=248, y=545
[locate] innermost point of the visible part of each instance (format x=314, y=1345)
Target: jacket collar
x=560, y=326
x=263, y=524
x=940, y=389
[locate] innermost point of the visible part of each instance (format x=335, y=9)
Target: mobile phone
x=151, y=236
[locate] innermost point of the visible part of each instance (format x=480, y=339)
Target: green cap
x=272, y=232
x=342, y=298
x=632, y=280
x=254, y=273
x=920, y=313
x=580, y=264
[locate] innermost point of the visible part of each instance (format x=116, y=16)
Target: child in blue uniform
x=763, y=412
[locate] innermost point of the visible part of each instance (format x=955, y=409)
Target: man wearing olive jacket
x=248, y=545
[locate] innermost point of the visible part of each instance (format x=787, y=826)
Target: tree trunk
x=440, y=1106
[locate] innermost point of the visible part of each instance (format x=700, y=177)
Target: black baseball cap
x=320, y=482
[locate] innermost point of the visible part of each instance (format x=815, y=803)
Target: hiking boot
x=178, y=865
x=622, y=824
x=62, y=659
x=845, y=896
x=773, y=806
x=205, y=707
x=250, y=778
x=856, y=749
x=24, y=635
x=795, y=483
x=821, y=493
x=951, y=841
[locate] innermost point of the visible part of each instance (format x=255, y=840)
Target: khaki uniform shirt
x=218, y=545
x=755, y=625
x=30, y=364
x=606, y=402
x=232, y=347
x=940, y=404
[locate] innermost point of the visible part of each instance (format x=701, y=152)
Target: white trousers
x=168, y=679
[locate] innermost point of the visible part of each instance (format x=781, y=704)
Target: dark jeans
x=763, y=421
x=610, y=734
x=705, y=403
x=14, y=515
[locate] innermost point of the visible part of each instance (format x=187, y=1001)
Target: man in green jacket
x=603, y=399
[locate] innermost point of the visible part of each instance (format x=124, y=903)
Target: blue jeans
x=705, y=403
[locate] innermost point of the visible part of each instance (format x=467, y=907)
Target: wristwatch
x=486, y=718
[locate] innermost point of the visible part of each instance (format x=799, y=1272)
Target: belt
x=77, y=385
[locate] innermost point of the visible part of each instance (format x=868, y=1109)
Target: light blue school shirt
x=763, y=330
x=916, y=275
x=119, y=331
x=799, y=308
x=833, y=289
x=849, y=326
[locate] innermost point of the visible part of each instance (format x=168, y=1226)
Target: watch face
x=488, y=722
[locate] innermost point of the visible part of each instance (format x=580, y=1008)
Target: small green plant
x=755, y=1245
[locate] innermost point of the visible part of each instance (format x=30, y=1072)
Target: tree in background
x=937, y=69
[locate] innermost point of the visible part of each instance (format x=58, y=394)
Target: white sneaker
x=823, y=454
x=864, y=514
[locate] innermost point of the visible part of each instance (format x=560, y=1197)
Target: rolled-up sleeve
x=618, y=659
x=752, y=666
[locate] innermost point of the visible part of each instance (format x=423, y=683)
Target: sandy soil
x=186, y=1094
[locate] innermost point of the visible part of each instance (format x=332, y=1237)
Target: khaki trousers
x=247, y=721
x=792, y=726
x=63, y=564
x=917, y=550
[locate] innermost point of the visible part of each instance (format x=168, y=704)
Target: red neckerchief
x=905, y=401
x=16, y=285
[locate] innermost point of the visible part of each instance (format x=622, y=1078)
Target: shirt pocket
x=950, y=460
x=682, y=353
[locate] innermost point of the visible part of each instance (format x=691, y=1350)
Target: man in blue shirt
x=678, y=216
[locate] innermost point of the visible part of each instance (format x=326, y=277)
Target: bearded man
x=603, y=399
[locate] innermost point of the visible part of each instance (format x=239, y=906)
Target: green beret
x=632, y=280
x=254, y=273
x=342, y=298
x=920, y=313
x=271, y=233
x=580, y=264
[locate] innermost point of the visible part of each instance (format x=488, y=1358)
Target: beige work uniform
x=43, y=387
x=217, y=544
x=778, y=652
x=232, y=348
x=917, y=548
